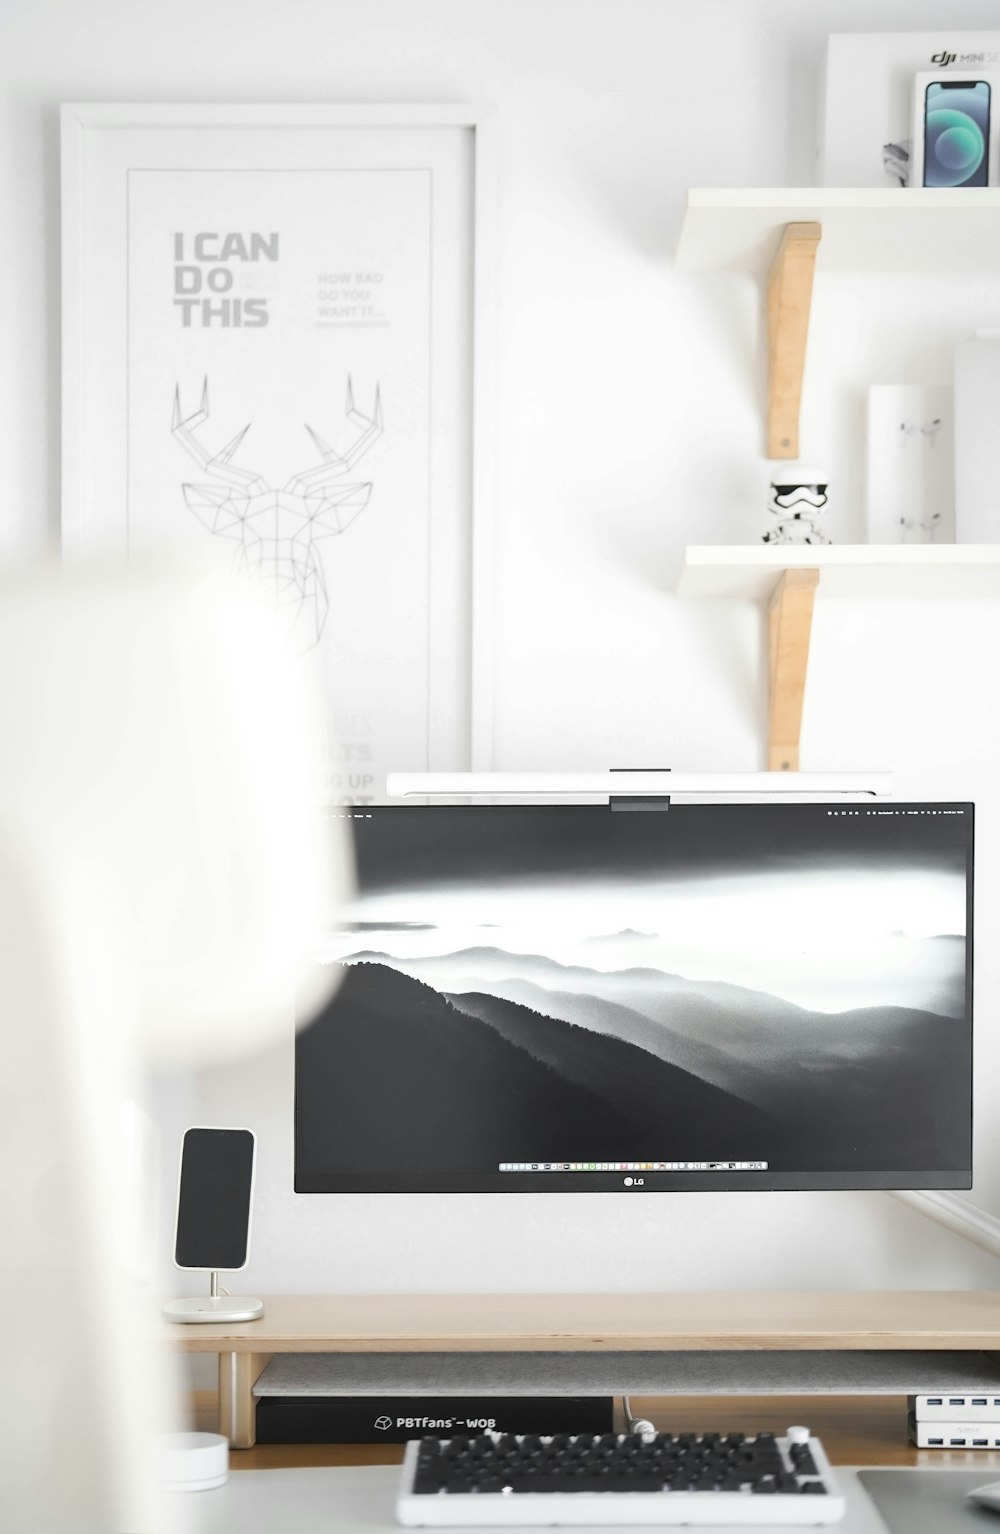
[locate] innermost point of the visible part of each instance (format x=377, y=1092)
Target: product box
x=954, y=140
x=866, y=99
x=397, y=1419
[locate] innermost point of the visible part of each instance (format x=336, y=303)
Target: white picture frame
x=407, y=191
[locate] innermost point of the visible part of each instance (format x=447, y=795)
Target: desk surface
x=855, y=1319
x=362, y=1501
x=299, y=1487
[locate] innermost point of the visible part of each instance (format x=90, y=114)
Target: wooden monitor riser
x=855, y=1320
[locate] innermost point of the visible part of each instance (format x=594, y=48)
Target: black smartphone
x=214, y=1199
x=956, y=133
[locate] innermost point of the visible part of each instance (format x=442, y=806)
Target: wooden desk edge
x=870, y=1342
x=854, y=1320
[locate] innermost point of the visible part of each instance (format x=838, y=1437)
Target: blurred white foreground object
x=162, y=872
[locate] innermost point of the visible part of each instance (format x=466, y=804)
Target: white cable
x=639, y=1425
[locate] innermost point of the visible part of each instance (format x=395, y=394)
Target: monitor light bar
x=876, y=785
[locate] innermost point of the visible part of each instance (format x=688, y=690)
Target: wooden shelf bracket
x=789, y=629
x=789, y=299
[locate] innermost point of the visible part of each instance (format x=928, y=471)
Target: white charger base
x=206, y=1309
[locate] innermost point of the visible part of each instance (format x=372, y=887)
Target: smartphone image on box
x=956, y=133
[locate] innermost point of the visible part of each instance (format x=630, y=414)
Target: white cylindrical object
x=192, y=1461
x=977, y=440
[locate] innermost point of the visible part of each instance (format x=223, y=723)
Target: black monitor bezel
x=543, y=1183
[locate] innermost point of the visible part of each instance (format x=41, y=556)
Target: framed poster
x=277, y=333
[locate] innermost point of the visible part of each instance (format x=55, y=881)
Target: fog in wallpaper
x=777, y=984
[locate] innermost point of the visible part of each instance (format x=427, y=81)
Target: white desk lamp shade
x=161, y=875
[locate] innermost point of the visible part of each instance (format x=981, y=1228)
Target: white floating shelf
x=874, y=570
x=870, y=229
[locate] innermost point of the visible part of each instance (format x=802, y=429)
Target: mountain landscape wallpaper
x=581, y=990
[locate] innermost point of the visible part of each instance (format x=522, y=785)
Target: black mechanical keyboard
x=630, y=1479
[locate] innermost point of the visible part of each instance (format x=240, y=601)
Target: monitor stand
x=214, y=1307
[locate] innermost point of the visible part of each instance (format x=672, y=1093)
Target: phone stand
x=214, y=1307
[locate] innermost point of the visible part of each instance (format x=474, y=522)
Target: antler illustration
x=276, y=531
x=335, y=464
x=217, y=464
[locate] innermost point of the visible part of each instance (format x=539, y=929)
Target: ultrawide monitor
x=565, y=998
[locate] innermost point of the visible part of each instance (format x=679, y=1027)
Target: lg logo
x=635, y=1182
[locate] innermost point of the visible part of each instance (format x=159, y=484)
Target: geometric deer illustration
x=277, y=531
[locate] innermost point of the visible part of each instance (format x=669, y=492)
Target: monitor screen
x=580, y=998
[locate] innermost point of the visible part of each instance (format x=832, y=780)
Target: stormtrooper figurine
x=798, y=500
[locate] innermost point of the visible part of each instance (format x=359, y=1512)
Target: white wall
x=628, y=423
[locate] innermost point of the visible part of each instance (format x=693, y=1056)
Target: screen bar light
x=875, y=785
